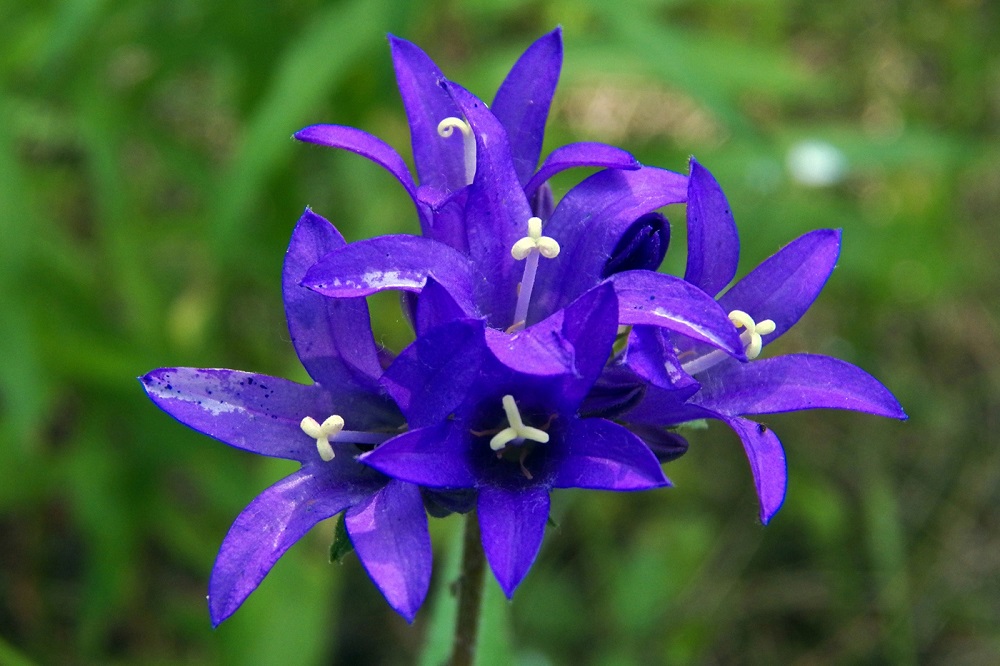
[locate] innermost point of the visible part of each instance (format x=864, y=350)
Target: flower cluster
x=549, y=351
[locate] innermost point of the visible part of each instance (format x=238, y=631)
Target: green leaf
x=341, y=546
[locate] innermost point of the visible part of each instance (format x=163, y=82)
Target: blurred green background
x=148, y=187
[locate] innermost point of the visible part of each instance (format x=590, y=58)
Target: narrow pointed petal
x=512, y=523
x=248, y=411
x=435, y=306
x=656, y=299
x=440, y=162
x=589, y=223
x=605, y=456
x=650, y=355
x=497, y=212
x=665, y=444
x=767, y=463
x=661, y=407
x=367, y=145
x=794, y=382
x=265, y=530
x=523, y=100
x=332, y=337
x=389, y=534
x=391, y=262
x=436, y=457
x=713, y=242
x=582, y=154
x=785, y=285
x=434, y=374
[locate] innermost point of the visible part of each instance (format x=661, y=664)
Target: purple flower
x=323, y=426
x=684, y=380
x=445, y=150
x=501, y=417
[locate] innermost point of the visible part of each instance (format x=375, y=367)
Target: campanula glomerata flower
x=323, y=426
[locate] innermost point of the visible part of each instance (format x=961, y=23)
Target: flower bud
x=641, y=247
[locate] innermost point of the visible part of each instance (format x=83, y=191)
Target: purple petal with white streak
x=656, y=299
x=392, y=262
x=512, y=523
x=248, y=411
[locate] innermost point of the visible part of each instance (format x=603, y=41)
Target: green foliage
x=149, y=186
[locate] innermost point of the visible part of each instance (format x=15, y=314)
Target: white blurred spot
x=816, y=163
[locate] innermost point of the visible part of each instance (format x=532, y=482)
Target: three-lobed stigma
x=750, y=337
x=517, y=431
x=322, y=433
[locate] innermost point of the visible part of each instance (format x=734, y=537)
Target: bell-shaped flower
x=324, y=426
x=501, y=418
x=761, y=306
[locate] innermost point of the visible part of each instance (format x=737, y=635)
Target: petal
x=497, y=212
x=713, y=242
x=435, y=306
x=252, y=412
x=642, y=246
x=391, y=262
x=333, y=337
x=665, y=444
x=512, y=524
x=660, y=407
x=589, y=223
x=440, y=162
x=267, y=528
x=436, y=456
x=434, y=374
x=605, y=456
x=656, y=299
x=582, y=154
x=367, y=145
x=767, y=463
x=794, y=382
x=785, y=285
x=650, y=355
x=523, y=100
x=389, y=533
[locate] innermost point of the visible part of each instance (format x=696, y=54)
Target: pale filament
x=517, y=431
x=750, y=338
x=446, y=128
x=530, y=248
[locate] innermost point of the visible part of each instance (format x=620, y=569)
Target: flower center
x=333, y=429
x=517, y=432
x=446, y=128
x=750, y=337
x=530, y=248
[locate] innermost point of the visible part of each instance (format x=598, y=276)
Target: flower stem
x=470, y=594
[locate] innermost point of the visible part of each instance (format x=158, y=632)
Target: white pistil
x=516, y=432
x=446, y=128
x=750, y=337
x=531, y=247
x=322, y=433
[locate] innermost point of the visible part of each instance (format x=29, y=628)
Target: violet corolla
x=510, y=429
x=323, y=426
x=690, y=381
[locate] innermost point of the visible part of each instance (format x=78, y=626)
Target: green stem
x=470, y=594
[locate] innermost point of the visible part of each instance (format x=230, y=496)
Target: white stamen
x=750, y=337
x=531, y=247
x=516, y=432
x=322, y=433
x=446, y=128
